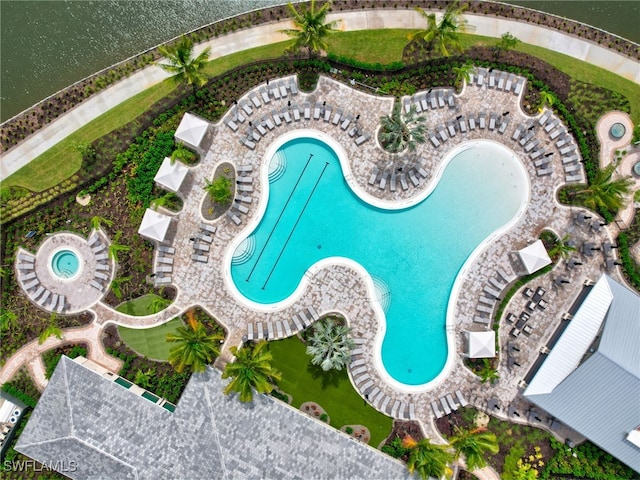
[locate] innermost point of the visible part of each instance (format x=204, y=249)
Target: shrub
x=395, y=448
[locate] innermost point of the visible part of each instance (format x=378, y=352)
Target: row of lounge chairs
x=448, y=404
x=202, y=240
x=295, y=113
x=244, y=186
x=505, y=81
x=525, y=136
x=380, y=400
x=490, y=296
x=42, y=296
x=279, y=90
x=282, y=328
x=394, y=178
x=431, y=100
x=101, y=277
x=164, y=265
x=466, y=123
x=567, y=148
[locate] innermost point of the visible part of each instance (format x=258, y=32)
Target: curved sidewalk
x=100, y=103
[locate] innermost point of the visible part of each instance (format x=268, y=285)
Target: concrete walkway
x=30, y=354
x=47, y=137
x=608, y=148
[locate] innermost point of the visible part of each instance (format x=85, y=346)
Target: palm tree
x=399, y=132
x=605, y=192
x=8, y=321
x=463, y=73
x=97, y=221
x=158, y=304
x=114, y=247
x=473, y=444
x=561, y=247
x=546, y=99
x=52, y=329
x=487, y=373
x=195, y=348
x=428, y=459
x=443, y=37
x=183, y=66
x=330, y=346
x=219, y=190
x=251, y=369
x=507, y=42
x=116, y=285
x=310, y=29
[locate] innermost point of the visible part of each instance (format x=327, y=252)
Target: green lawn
x=140, y=306
x=331, y=390
x=150, y=342
x=364, y=45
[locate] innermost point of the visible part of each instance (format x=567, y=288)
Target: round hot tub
x=617, y=130
x=65, y=264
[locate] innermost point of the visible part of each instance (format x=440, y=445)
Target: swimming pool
x=65, y=264
x=413, y=254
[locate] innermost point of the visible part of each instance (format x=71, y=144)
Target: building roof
x=110, y=432
x=191, y=130
x=154, y=225
x=482, y=344
x=597, y=397
x=534, y=257
x=171, y=174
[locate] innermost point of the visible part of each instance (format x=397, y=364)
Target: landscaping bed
x=52, y=357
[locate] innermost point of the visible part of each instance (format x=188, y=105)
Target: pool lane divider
x=279, y=217
x=326, y=164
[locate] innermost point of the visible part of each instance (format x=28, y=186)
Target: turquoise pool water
x=413, y=255
x=65, y=263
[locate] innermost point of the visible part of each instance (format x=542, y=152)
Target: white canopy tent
x=534, y=257
x=154, y=225
x=171, y=175
x=191, y=130
x=481, y=344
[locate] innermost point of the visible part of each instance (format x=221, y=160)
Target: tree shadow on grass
x=330, y=378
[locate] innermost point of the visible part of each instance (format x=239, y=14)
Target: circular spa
x=617, y=130
x=415, y=253
x=65, y=264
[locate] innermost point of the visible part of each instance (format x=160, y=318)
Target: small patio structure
x=192, y=131
x=154, y=225
x=171, y=175
x=534, y=257
x=481, y=344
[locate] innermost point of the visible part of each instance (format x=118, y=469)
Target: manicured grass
x=139, y=307
x=331, y=390
x=150, y=342
x=365, y=45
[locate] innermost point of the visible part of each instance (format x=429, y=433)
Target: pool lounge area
x=481, y=114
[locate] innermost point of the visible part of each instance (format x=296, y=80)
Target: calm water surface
x=47, y=45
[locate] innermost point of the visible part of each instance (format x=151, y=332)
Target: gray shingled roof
x=109, y=432
x=600, y=397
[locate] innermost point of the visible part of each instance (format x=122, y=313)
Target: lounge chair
x=166, y=260
x=374, y=175
x=296, y=321
x=445, y=406
x=463, y=402
x=452, y=403
x=403, y=181
x=208, y=228
x=383, y=181
x=233, y=217
x=203, y=247
x=362, y=138
x=436, y=410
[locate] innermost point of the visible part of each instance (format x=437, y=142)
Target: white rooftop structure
x=191, y=130
x=171, y=174
x=591, y=379
x=534, y=257
x=154, y=225
x=481, y=344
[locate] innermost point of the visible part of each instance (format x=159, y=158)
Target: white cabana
x=534, y=257
x=154, y=225
x=481, y=344
x=191, y=130
x=171, y=175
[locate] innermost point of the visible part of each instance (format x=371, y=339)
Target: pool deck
x=341, y=289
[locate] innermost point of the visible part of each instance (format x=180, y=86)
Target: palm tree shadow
x=329, y=379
